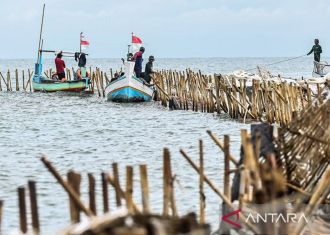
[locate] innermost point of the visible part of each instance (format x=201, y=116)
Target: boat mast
x=40, y=36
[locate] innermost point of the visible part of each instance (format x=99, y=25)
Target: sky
x=168, y=28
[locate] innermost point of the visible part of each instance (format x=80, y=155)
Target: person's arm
x=320, y=49
x=64, y=64
x=311, y=51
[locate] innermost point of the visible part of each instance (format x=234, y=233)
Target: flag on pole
x=136, y=43
x=84, y=44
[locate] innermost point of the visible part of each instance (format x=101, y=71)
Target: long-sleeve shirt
x=148, y=71
x=317, y=49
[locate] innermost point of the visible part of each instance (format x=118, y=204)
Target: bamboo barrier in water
x=263, y=100
x=269, y=173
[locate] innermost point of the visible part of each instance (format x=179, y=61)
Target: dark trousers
x=138, y=72
x=317, y=57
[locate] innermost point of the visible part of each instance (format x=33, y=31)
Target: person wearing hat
x=149, y=69
x=317, y=49
x=138, y=62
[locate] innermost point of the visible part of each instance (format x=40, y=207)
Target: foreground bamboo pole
x=34, y=207
x=67, y=187
x=22, y=209
x=201, y=184
x=144, y=189
x=218, y=192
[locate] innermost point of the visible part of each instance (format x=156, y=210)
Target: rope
x=278, y=62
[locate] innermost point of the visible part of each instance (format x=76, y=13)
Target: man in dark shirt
x=317, y=49
x=149, y=69
x=138, y=62
x=60, y=67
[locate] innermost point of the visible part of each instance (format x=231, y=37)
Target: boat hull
x=70, y=86
x=129, y=88
x=128, y=95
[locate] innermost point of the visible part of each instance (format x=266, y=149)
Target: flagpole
x=80, y=41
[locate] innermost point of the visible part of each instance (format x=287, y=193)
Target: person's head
x=142, y=49
x=316, y=41
x=59, y=55
x=151, y=58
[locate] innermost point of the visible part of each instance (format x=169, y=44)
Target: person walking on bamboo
x=138, y=62
x=60, y=67
x=149, y=69
x=317, y=49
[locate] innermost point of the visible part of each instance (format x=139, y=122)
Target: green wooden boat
x=53, y=86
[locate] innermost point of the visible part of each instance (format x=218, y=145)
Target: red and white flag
x=84, y=44
x=136, y=43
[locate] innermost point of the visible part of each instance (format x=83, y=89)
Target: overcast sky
x=169, y=28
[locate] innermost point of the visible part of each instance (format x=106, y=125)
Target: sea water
x=88, y=134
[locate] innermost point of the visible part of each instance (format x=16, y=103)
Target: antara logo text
x=234, y=217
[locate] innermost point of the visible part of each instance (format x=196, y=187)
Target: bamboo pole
x=23, y=79
x=218, y=192
x=201, y=184
x=105, y=193
x=34, y=207
x=17, y=82
x=144, y=189
x=117, y=184
x=1, y=206
x=66, y=186
x=74, y=179
x=129, y=189
x=222, y=147
x=166, y=182
x=4, y=80
x=91, y=193
x=122, y=193
x=227, y=188
x=22, y=209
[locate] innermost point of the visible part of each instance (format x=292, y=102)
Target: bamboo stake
x=116, y=179
x=122, y=192
x=222, y=147
x=218, y=192
x=17, y=82
x=227, y=191
x=166, y=180
x=34, y=207
x=1, y=206
x=22, y=209
x=129, y=189
x=91, y=193
x=144, y=189
x=66, y=186
x=201, y=184
x=74, y=180
x=23, y=79
x=105, y=193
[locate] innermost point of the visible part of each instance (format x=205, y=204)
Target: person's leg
x=317, y=57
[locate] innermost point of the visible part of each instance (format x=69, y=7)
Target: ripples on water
x=87, y=134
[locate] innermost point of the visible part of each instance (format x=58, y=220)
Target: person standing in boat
x=138, y=62
x=60, y=67
x=149, y=69
x=317, y=49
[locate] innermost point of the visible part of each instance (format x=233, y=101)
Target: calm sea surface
x=87, y=134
